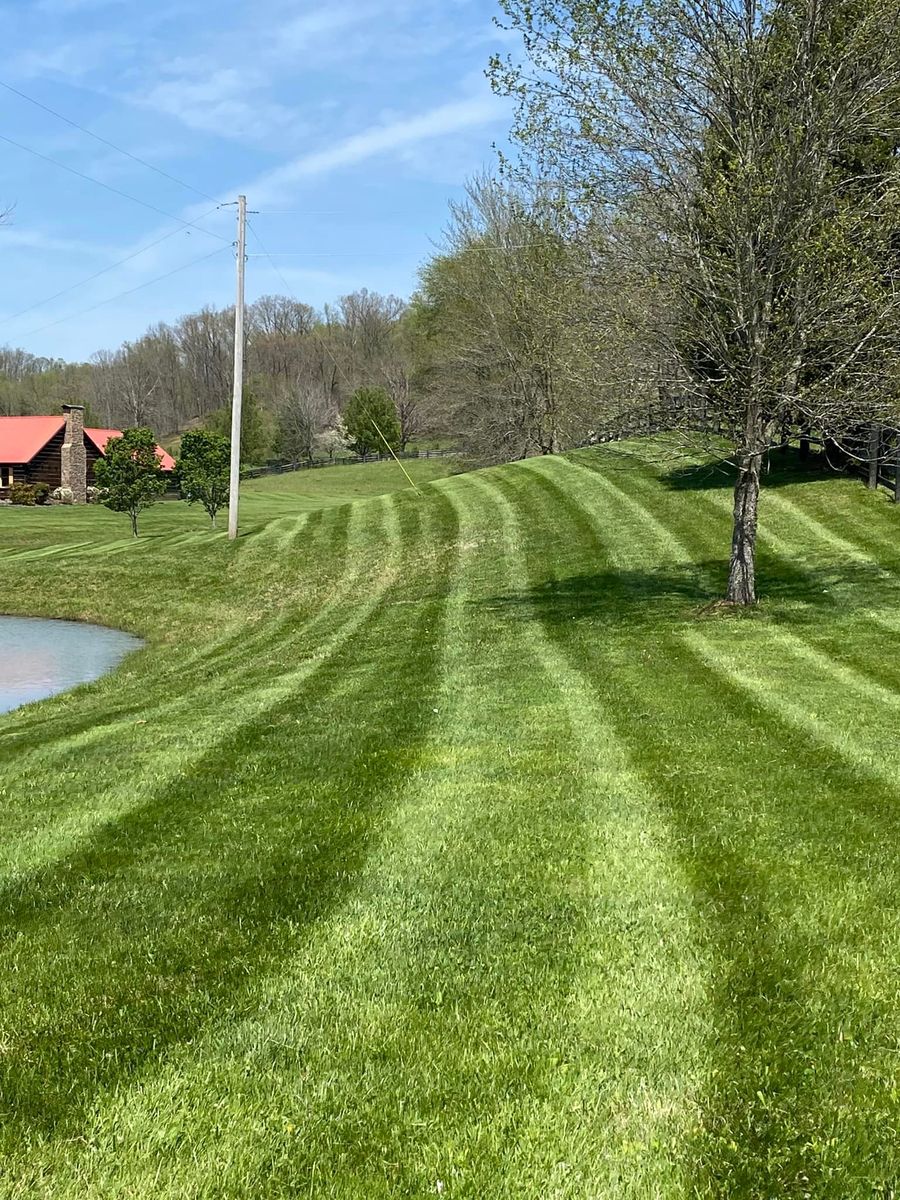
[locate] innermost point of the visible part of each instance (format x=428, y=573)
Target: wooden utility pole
x=238, y=396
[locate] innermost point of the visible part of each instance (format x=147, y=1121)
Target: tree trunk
x=742, y=575
x=134, y=519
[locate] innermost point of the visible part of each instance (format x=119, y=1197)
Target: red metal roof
x=22, y=437
x=101, y=436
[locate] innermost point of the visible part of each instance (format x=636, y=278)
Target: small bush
x=62, y=495
x=96, y=495
x=41, y=493
x=22, y=493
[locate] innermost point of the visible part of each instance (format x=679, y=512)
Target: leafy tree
x=255, y=436
x=508, y=328
x=130, y=474
x=203, y=470
x=371, y=421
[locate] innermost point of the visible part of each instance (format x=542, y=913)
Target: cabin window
x=6, y=477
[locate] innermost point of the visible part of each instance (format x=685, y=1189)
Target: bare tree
x=277, y=329
x=507, y=310
x=304, y=412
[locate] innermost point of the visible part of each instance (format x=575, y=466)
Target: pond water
x=39, y=658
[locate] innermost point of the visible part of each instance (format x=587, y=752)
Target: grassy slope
x=437, y=845
x=50, y=531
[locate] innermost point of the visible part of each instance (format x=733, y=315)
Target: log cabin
x=59, y=451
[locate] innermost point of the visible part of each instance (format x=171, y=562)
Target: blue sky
x=348, y=125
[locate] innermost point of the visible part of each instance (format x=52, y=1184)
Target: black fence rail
x=872, y=451
x=311, y=464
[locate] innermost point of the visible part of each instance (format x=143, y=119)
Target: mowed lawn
x=47, y=531
x=445, y=844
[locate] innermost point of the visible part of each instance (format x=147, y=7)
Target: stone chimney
x=74, y=457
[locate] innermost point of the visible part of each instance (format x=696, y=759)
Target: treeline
x=500, y=352
x=302, y=366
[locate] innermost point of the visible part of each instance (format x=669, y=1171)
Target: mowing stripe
x=770, y=1110
x=640, y=1114
x=406, y=715
x=230, y=707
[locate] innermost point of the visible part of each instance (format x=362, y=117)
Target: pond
x=39, y=658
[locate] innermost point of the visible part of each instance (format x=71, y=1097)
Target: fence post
x=874, y=443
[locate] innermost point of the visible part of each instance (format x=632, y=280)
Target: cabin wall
x=46, y=466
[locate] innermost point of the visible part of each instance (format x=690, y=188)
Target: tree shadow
x=782, y=468
x=679, y=592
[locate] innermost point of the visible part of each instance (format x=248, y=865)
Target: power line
x=274, y=265
x=96, y=275
x=109, y=188
x=315, y=212
x=327, y=253
x=105, y=142
x=130, y=292
x=378, y=253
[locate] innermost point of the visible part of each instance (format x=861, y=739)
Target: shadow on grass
x=783, y=468
x=167, y=916
x=645, y=597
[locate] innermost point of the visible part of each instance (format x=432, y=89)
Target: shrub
x=96, y=495
x=41, y=493
x=62, y=495
x=22, y=493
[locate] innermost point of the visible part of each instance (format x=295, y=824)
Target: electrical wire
x=97, y=274
x=130, y=292
x=376, y=253
x=109, y=188
x=272, y=263
x=105, y=141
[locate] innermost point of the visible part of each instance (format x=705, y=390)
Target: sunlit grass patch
x=441, y=844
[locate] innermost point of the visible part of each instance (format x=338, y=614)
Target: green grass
x=322, y=486
x=442, y=844
x=71, y=531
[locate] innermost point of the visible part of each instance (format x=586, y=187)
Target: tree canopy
x=371, y=421
x=203, y=470
x=130, y=474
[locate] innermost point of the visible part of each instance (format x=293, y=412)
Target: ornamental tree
x=203, y=470
x=130, y=474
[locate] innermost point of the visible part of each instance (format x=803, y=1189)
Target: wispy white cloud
x=295, y=34
x=74, y=57
x=37, y=239
x=223, y=101
x=446, y=119
x=230, y=88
